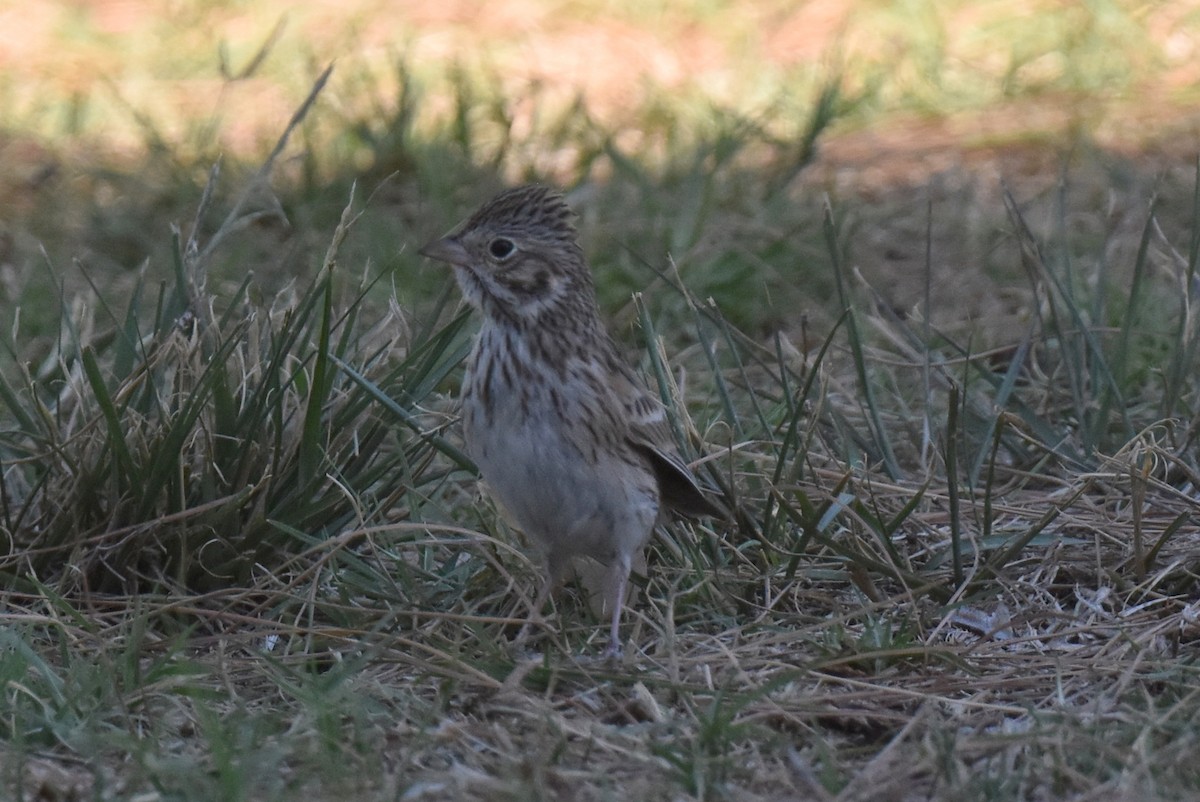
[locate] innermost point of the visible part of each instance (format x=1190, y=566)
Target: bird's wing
x=650, y=435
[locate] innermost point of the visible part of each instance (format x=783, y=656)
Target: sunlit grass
x=124, y=75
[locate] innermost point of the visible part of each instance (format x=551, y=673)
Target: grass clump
x=183, y=445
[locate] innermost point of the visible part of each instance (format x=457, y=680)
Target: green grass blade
x=952, y=438
x=116, y=432
x=312, y=440
x=879, y=432
x=406, y=417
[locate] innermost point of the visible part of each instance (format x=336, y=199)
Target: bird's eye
x=502, y=248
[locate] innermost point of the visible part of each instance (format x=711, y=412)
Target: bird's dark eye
x=502, y=248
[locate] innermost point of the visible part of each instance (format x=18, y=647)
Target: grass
x=245, y=557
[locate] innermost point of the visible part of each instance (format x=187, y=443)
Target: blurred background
x=708, y=131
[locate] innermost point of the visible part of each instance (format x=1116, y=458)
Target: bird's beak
x=447, y=249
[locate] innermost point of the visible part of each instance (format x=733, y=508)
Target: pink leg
x=614, y=597
x=535, y=613
x=555, y=570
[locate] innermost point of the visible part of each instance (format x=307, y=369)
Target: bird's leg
x=535, y=614
x=555, y=569
x=614, y=597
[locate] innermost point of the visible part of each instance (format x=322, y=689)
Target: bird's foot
x=613, y=652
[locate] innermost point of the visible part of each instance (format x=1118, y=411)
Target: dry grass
x=1064, y=677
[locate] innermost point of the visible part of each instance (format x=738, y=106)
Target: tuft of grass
x=204, y=442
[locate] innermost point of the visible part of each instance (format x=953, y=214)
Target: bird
x=568, y=441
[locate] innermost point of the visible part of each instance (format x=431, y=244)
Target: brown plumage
x=568, y=441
